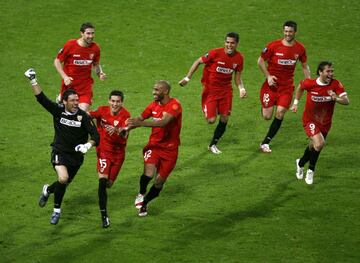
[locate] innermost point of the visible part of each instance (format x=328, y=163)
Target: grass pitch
x=241, y=206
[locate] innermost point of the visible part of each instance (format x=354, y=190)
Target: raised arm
x=192, y=70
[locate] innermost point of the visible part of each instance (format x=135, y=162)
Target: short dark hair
x=233, y=35
x=165, y=84
x=67, y=93
x=85, y=26
x=322, y=66
x=117, y=93
x=290, y=23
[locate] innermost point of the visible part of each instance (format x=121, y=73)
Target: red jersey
x=319, y=106
x=114, y=142
x=168, y=136
x=282, y=60
x=78, y=60
x=219, y=67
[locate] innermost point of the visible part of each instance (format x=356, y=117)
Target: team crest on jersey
x=79, y=117
x=116, y=122
x=296, y=56
x=234, y=66
x=91, y=56
x=175, y=107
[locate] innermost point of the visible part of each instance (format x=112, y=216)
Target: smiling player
x=220, y=64
x=74, y=63
x=281, y=57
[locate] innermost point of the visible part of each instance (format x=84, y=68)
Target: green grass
x=242, y=206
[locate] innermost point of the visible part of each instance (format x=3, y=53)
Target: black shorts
x=71, y=161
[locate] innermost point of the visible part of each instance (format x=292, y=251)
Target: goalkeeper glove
x=83, y=147
x=31, y=75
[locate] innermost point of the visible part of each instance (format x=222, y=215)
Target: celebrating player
x=161, y=152
x=72, y=129
x=220, y=64
x=322, y=94
x=111, y=151
x=74, y=63
x=281, y=56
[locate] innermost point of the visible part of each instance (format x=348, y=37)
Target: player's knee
x=267, y=117
x=319, y=146
x=211, y=120
x=63, y=180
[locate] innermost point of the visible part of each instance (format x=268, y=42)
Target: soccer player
x=220, y=64
x=161, y=152
x=71, y=141
x=74, y=63
x=281, y=57
x=322, y=94
x=111, y=150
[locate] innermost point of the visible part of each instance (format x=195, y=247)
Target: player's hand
x=31, y=75
x=132, y=123
x=184, y=81
x=332, y=94
x=102, y=76
x=243, y=93
x=271, y=80
x=294, y=108
x=83, y=147
x=68, y=80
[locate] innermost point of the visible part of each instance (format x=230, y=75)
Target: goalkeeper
x=71, y=141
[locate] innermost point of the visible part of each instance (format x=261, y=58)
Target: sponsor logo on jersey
x=321, y=98
x=279, y=54
x=224, y=70
x=82, y=62
x=70, y=123
x=286, y=62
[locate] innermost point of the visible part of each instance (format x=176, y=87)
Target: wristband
x=242, y=89
x=187, y=79
x=296, y=102
x=33, y=82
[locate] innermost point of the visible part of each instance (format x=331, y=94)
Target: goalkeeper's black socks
x=274, y=127
x=59, y=194
x=51, y=188
x=218, y=133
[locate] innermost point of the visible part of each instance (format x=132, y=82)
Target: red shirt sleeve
x=147, y=112
x=209, y=56
x=63, y=53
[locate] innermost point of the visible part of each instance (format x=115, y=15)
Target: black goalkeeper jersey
x=71, y=129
